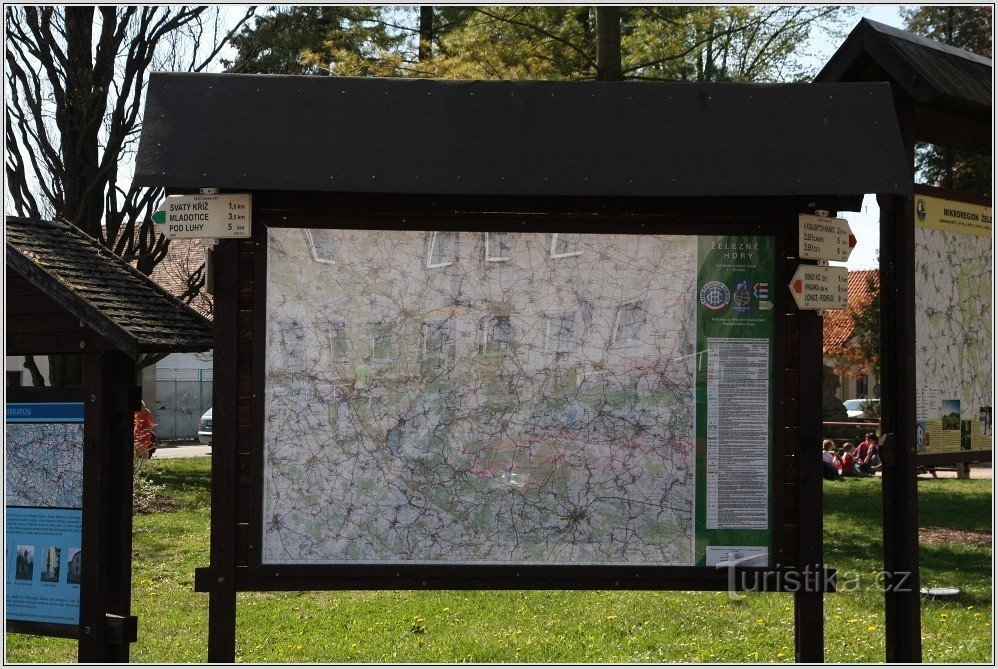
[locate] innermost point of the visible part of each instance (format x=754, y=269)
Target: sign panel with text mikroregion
x=954, y=360
x=44, y=485
x=205, y=216
x=517, y=398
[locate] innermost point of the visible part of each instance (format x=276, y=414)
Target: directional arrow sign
x=216, y=216
x=825, y=238
x=818, y=287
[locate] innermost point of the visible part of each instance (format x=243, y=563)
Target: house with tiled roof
x=856, y=379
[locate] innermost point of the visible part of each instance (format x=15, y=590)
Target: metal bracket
x=888, y=456
x=121, y=629
x=202, y=579
x=209, y=267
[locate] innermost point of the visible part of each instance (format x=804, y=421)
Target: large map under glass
x=479, y=397
x=44, y=464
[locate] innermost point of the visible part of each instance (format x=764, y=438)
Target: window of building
x=497, y=332
x=566, y=244
x=496, y=246
x=15, y=379
x=379, y=339
x=321, y=242
x=438, y=342
x=336, y=337
x=862, y=386
x=560, y=332
x=629, y=322
x=441, y=249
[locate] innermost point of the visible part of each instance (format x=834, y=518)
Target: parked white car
x=857, y=408
x=204, y=428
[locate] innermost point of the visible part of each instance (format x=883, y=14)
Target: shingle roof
x=108, y=294
x=519, y=138
x=838, y=325
x=182, y=259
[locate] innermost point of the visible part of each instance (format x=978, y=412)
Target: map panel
x=953, y=325
x=480, y=397
x=44, y=459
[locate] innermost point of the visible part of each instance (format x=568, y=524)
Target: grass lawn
x=554, y=626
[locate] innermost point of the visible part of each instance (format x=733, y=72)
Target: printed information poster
x=44, y=483
x=734, y=398
x=953, y=325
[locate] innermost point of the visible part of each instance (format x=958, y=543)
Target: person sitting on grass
x=867, y=454
x=850, y=462
x=831, y=468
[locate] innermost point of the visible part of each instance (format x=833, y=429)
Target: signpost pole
x=809, y=644
x=222, y=570
x=897, y=364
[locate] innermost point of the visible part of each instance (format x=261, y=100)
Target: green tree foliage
x=965, y=27
x=538, y=42
x=343, y=41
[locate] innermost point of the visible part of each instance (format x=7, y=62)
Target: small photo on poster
x=965, y=431
x=24, y=569
x=951, y=414
x=986, y=421
x=73, y=566
x=921, y=440
x=50, y=567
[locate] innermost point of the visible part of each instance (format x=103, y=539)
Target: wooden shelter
x=66, y=295
x=942, y=95
x=535, y=159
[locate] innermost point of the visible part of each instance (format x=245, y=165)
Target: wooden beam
x=897, y=364
x=809, y=637
x=107, y=505
x=222, y=593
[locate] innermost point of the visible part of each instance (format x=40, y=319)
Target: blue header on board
x=45, y=412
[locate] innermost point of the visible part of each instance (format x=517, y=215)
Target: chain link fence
x=182, y=396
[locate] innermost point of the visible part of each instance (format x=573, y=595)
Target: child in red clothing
x=849, y=460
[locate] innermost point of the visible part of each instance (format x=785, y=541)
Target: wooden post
x=222, y=570
x=809, y=636
x=897, y=364
x=105, y=593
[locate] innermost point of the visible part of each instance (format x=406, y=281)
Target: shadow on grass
x=187, y=480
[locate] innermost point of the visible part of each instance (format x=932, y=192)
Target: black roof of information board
x=113, y=298
x=930, y=72
x=523, y=138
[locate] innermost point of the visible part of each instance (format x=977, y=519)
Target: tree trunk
x=37, y=379
x=608, y=67
x=80, y=123
x=425, y=34
x=65, y=370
